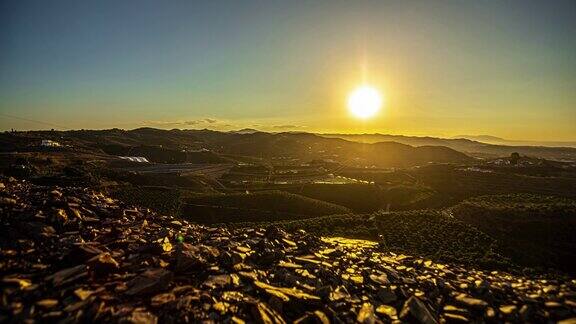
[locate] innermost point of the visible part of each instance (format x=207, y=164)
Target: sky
x=445, y=68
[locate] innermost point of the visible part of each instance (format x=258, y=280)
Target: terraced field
x=259, y=206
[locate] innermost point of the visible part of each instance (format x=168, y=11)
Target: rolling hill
x=473, y=146
x=537, y=230
x=174, y=146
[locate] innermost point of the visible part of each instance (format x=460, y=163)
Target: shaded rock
x=7, y=201
x=162, y=299
x=81, y=253
x=218, y=281
x=103, y=264
x=141, y=316
x=195, y=257
x=386, y=295
x=150, y=282
x=415, y=310
x=68, y=275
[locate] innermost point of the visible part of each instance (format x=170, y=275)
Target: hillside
x=429, y=233
x=473, y=146
x=179, y=146
x=451, y=184
x=259, y=206
x=503, y=141
x=536, y=230
x=71, y=253
x=363, y=198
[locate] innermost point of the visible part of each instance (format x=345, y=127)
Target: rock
x=324, y=292
x=321, y=317
x=7, y=201
x=195, y=257
x=55, y=194
x=471, y=302
x=20, y=283
x=83, y=294
x=414, y=309
x=381, y=279
x=386, y=295
x=267, y=315
x=339, y=293
x=61, y=217
x=76, y=215
x=150, y=282
x=47, y=303
x=508, y=309
x=285, y=293
x=68, y=275
x=550, y=289
x=103, y=264
x=455, y=310
x=489, y=313
x=81, y=253
x=366, y=314
x=455, y=318
x=141, y=316
x=525, y=313
x=162, y=299
x=218, y=281
x=552, y=304
x=274, y=232
x=112, y=262
x=388, y=311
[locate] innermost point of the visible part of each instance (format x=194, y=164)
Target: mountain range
x=482, y=146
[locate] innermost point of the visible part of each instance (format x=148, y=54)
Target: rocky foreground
x=75, y=255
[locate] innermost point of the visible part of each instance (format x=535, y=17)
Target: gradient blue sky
x=505, y=68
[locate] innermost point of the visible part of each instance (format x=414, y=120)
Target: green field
x=536, y=230
x=258, y=206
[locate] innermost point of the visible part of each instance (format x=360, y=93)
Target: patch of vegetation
x=259, y=206
x=364, y=198
x=451, y=184
x=533, y=229
x=174, y=180
x=161, y=199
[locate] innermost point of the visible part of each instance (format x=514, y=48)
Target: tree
x=514, y=157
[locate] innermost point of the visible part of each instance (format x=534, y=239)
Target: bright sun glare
x=364, y=102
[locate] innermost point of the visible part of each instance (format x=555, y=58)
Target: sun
x=364, y=102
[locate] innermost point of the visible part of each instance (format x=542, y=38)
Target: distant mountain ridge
x=469, y=146
x=245, y=131
x=489, y=139
x=174, y=146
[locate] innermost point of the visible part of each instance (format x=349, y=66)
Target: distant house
x=139, y=159
x=49, y=143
